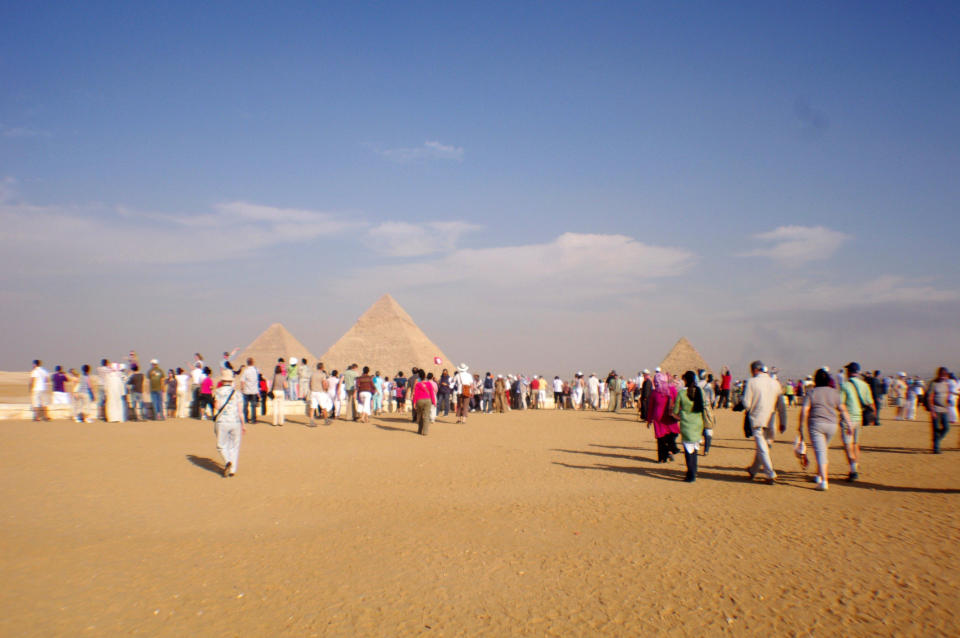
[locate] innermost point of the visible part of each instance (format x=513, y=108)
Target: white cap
x=658, y=369
x=154, y=362
x=293, y=361
x=645, y=371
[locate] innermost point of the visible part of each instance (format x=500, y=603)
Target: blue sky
x=541, y=185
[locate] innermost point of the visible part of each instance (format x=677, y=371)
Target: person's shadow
x=205, y=463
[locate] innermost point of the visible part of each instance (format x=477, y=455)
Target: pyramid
x=387, y=339
x=682, y=357
x=273, y=343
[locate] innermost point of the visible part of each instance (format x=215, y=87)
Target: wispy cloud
x=798, y=244
x=429, y=150
x=400, y=239
x=95, y=234
x=22, y=132
x=574, y=266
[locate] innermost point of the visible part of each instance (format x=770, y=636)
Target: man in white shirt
x=760, y=400
x=462, y=386
x=39, y=382
x=250, y=388
x=557, y=393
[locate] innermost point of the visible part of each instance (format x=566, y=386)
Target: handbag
x=867, y=411
x=270, y=394
x=747, y=426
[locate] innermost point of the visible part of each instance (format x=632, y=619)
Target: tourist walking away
x=365, y=388
x=726, y=381
x=689, y=410
x=660, y=415
x=39, y=382
x=228, y=420
x=279, y=391
x=760, y=398
x=350, y=385
x=424, y=400
x=938, y=403
x=819, y=415
x=462, y=386
x=858, y=401
x=250, y=387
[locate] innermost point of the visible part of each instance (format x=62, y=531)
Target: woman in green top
x=689, y=410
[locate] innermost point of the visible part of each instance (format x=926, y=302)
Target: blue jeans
x=941, y=425
x=443, y=403
x=136, y=405
x=156, y=398
x=250, y=400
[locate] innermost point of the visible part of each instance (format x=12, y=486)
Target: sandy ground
x=534, y=523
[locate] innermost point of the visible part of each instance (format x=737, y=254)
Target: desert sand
x=532, y=523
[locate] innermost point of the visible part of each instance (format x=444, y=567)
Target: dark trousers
x=558, y=400
x=940, y=428
x=250, y=415
x=263, y=403
x=666, y=445
x=443, y=403
x=691, y=459
x=724, y=401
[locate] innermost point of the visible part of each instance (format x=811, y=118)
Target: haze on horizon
x=544, y=188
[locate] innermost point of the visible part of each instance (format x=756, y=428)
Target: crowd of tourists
x=673, y=406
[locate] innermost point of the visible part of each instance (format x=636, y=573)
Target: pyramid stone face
x=273, y=343
x=682, y=357
x=387, y=339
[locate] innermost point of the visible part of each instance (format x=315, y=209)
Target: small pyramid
x=682, y=357
x=387, y=339
x=273, y=343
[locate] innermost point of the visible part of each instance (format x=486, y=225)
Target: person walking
x=279, y=390
x=364, y=392
x=614, y=390
x=938, y=403
x=760, y=398
x=39, y=382
x=462, y=385
x=424, y=399
x=856, y=397
x=660, y=415
x=689, y=409
x=228, y=419
x=818, y=418
x=705, y=382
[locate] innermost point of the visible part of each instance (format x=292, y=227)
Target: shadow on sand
x=205, y=463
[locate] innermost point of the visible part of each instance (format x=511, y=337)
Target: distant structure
x=387, y=339
x=682, y=357
x=274, y=343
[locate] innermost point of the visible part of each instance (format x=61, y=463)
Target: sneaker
x=751, y=473
x=853, y=476
x=227, y=469
x=817, y=479
x=822, y=486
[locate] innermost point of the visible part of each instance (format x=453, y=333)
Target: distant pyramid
x=682, y=357
x=274, y=343
x=386, y=338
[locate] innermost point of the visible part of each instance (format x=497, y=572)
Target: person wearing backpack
x=462, y=384
x=859, y=404
x=228, y=421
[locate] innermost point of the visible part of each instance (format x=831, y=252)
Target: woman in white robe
x=114, y=394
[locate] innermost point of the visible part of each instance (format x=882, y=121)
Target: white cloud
x=573, y=265
x=429, y=150
x=798, y=244
x=400, y=239
x=883, y=290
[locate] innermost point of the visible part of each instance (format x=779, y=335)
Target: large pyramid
x=273, y=343
x=386, y=339
x=682, y=357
